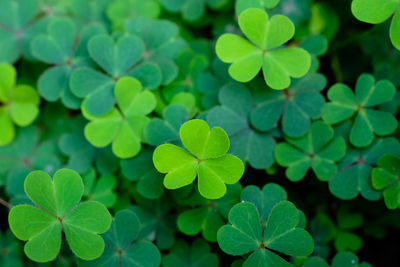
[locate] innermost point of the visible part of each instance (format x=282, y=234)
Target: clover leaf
x=122, y=247
x=159, y=131
x=354, y=172
x=377, y=11
x=207, y=160
x=386, y=177
x=19, y=104
x=161, y=46
x=65, y=49
x=344, y=104
x=341, y=259
x=20, y=21
x=242, y=5
x=233, y=115
x=319, y=150
x=118, y=59
x=198, y=254
x=279, y=233
x=267, y=35
x=101, y=189
x=294, y=107
x=140, y=169
x=59, y=210
x=122, y=127
x=207, y=216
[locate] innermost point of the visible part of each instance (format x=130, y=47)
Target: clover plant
x=200, y=133
x=57, y=211
x=267, y=35
x=206, y=159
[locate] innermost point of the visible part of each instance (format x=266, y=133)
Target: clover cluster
x=199, y=132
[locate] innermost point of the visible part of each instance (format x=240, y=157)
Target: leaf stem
x=5, y=203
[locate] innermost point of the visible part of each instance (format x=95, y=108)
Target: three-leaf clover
x=58, y=209
x=378, y=11
x=295, y=106
x=234, y=116
x=267, y=35
x=19, y=104
x=386, y=177
x=206, y=159
x=122, y=127
x=280, y=233
x=319, y=150
x=354, y=172
x=198, y=254
x=345, y=104
x=122, y=247
x=118, y=59
x=64, y=48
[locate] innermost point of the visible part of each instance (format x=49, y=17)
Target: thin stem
x=5, y=203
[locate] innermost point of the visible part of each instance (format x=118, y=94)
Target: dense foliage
x=202, y=133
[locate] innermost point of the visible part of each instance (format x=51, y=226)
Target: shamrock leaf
x=265, y=199
x=198, y=254
x=279, y=233
x=101, y=190
x=234, y=116
x=65, y=49
x=160, y=131
x=59, y=210
x=267, y=35
x=354, y=172
x=161, y=46
x=344, y=104
x=140, y=169
x=122, y=247
x=318, y=150
x=88, y=11
x=295, y=106
x=341, y=259
x=386, y=177
x=20, y=21
x=377, y=11
x=117, y=59
x=192, y=10
x=119, y=11
x=122, y=127
x=208, y=215
x=19, y=104
x=207, y=160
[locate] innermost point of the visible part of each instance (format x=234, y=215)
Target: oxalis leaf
x=318, y=150
x=361, y=107
x=58, y=209
x=206, y=159
x=19, y=104
x=123, y=127
x=267, y=35
x=279, y=233
x=122, y=247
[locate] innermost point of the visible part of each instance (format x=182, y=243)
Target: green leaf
x=385, y=177
x=395, y=30
x=279, y=64
x=101, y=190
x=122, y=247
x=59, y=210
x=124, y=127
x=318, y=150
x=373, y=11
x=212, y=166
x=347, y=259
